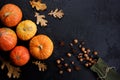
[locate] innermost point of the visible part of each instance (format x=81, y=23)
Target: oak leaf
x=12, y=70
x=56, y=13
x=38, y=5
x=41, y=66
x=41, y=19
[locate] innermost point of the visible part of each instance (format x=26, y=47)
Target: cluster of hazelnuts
x=84, y=55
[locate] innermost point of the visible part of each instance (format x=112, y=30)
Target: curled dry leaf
x=41, y=66
x=41, y=19
x=56, y=13
x=38, y=5
x=12, y=71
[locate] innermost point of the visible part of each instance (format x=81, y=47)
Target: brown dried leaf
x=41, y=19
x=38, y=5
x=41, y=66
x=56, y=13
x=12, y=71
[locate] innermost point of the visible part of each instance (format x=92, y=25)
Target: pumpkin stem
x=40, y=46
x=7, y=14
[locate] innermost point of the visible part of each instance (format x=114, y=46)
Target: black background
x=95, y=21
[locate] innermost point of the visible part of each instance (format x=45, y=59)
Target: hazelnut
x=61, y=72
x=88, y=51
x=81, y=59
x=80, y=54
x=80, y=46
x=69, y=54
x=66, y=65
x=72, y=62
x=95, y=53
x=86, y=64
x=83, y=49
x=75, y=41
x=71, y=44
x=62, y=59
x=90, y=59
x=85, y=55
x=58, y=61
x=87, y=58
x=69, y=69
x=89, y=64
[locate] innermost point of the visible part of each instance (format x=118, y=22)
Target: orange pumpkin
x=10, y=15
x=20, y=56
x=41, y=47
x=26, y=29
x=8, y=39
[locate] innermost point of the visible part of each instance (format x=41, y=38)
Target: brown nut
x=81, y=59
x=69, y=69
x=72, y=62
x=66, y=64
x=86, y=64
x=85, y=55
x=61, y=72
x=83, y=49
x=69, y=54
x=58, y=61
x=75, y=41
x=95, y=53
x=88, y=51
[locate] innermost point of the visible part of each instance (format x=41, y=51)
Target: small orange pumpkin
x=8, y=39
x=10, y=15
x=41, y=47
x=20, y=55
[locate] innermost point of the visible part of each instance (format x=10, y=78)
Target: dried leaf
x=41, y=66
x=38, y=5
x=41, y=19
x=12, y=71
x=56, y=13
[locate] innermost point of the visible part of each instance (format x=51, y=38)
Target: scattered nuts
x=66, y=65
x=69, y=54
x=77, y=68
x=71, y=44
x=88, y=51
x=69, y=69
x=89, y=64
x=83, y=49
x=95, y=53
x=90, y=59
x=85, y=55
x=72, y=62
x=80, y=46
x=81, y=59
x=86, y=64
x=58, y=61
x=61, y=72
x=75, y=41
x=62, y=59
x=87, y=58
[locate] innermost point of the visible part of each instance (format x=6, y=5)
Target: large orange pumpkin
x=41, y=47
x=19, y=55
x=10, y=15
x=8, y=39
x=26, y=29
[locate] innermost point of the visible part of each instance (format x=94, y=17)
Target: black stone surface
x=95, y=21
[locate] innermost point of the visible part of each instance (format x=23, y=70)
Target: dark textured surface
x=95, y=21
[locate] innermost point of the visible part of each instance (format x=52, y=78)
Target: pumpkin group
x=8, y=39
x=19, y=55
x=26, y=29
x=10, y=15
x=41, y=47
